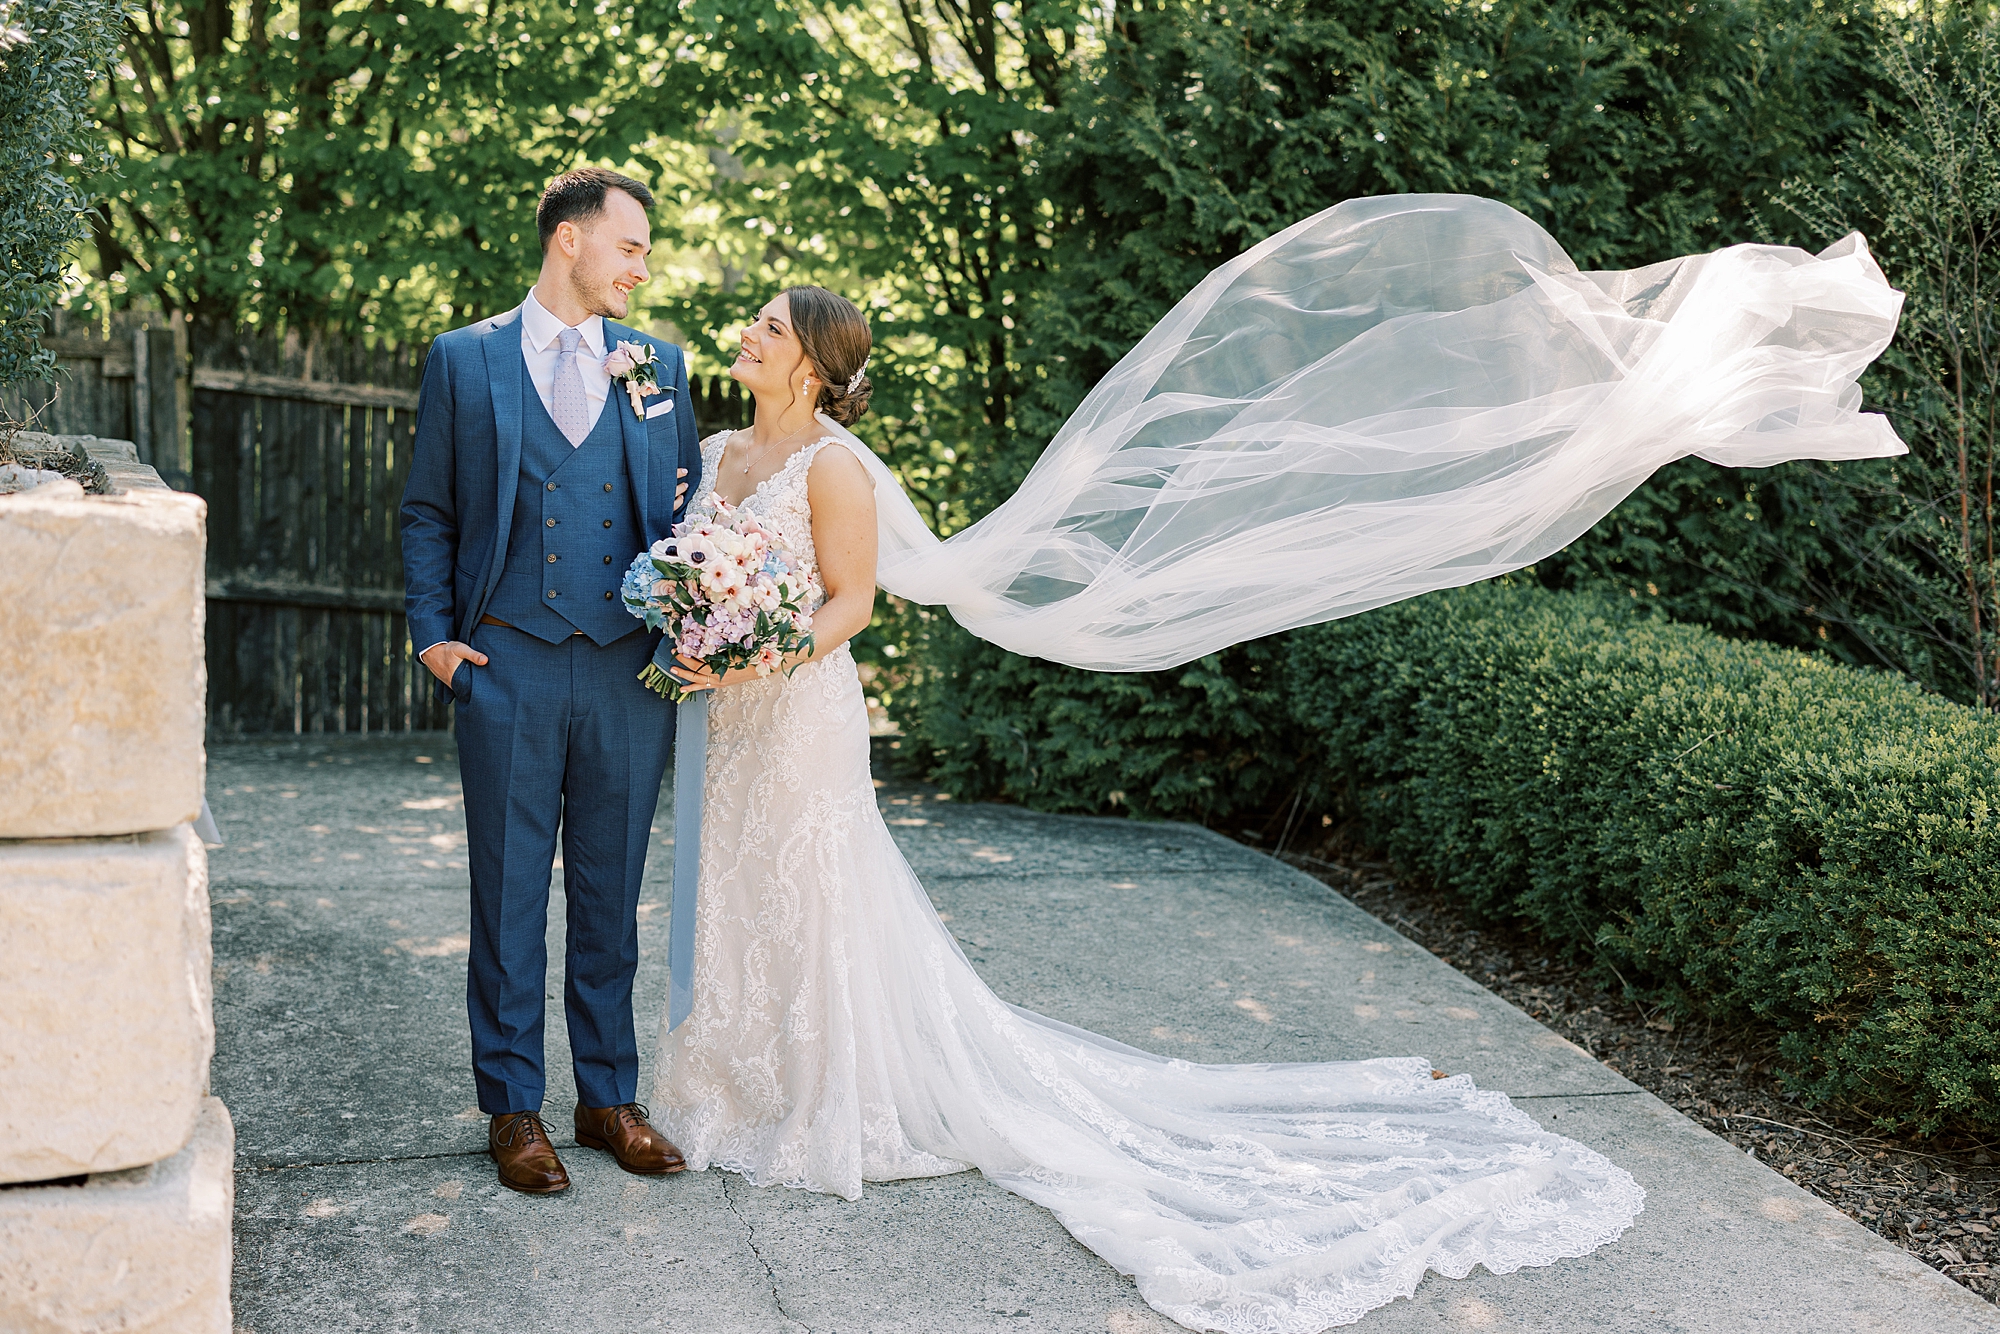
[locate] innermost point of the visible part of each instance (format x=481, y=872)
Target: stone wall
x=116, y=1167
x=101, y=656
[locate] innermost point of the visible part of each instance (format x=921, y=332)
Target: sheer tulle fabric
x=839, y=1036
x=1396, y=395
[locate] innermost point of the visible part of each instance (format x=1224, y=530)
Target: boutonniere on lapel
x=635, y=364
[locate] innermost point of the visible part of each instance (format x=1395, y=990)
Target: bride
x=1396, y=395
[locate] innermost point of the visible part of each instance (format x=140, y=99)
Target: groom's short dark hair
x=577, y=195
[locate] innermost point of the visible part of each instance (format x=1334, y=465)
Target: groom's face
x=610, y=256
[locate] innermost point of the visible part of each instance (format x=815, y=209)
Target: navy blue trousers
x=556, y=736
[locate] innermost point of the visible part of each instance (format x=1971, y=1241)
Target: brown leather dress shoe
x=519, y=1143
x=624, y=1133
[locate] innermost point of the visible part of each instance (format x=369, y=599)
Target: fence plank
x=255, y=591
x=304, y=391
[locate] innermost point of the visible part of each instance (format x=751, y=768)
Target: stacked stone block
x=116, y=1167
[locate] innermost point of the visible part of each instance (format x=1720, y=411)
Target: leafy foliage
x=1734, y=828
x=1924, y=184
x=1634, y=135
x=1884, y=562
x=52, y=52
x=1822, y=555
x=1204, y=742
x=348, y=164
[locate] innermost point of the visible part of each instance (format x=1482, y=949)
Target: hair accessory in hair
x=854, y=381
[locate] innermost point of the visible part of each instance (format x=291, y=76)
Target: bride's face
x=771, y=361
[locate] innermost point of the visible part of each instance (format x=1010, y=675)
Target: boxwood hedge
x=1737, y=829
x=1734, y=830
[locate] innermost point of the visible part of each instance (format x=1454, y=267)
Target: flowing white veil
x=1396, y=395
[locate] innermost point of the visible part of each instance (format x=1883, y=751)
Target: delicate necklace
x=750, y=451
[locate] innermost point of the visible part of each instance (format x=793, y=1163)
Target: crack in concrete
x=729, y=1187
x=362, y=1162
x=960, y=877
x=1594, y=1093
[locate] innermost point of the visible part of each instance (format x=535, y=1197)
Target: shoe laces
x=632, y=1115
x=523, y=1129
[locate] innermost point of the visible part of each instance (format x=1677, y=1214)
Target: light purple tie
x=569, y=407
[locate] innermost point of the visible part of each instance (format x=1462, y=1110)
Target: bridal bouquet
x=727, y=594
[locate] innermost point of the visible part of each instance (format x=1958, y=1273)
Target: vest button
x=552, y=486
x=607, y=523
x=550, y=523
x=552, y=560
x=607, y=597
x=607, y=486
x=607, y=561
x=552, y=592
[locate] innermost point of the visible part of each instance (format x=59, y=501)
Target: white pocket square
x=659, y=409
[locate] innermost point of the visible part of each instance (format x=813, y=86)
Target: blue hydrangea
x=639, y=581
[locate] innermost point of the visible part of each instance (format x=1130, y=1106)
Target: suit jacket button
x=607, y=523
x=552, y=560
x=552, y=486
x=550, y=523
x=552, y=592
x=607, y=486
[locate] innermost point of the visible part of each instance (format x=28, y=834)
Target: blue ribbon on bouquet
x=690, y=774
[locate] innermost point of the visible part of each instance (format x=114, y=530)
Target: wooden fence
x=127, y=380
x=300, y=447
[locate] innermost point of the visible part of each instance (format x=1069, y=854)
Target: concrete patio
x=365, y=1200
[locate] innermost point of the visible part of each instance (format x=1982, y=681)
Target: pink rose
x=618, y=362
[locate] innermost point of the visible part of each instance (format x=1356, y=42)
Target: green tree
x=358, y=165
x=1632, y=134
x=888, y=150
x=349, y=164
x=52, y=54
x=1884, y=562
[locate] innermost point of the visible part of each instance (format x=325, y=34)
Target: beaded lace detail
x=839, y=1036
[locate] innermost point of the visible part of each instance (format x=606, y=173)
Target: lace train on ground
x=839, y=1036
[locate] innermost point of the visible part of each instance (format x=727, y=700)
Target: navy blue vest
x=575, y=529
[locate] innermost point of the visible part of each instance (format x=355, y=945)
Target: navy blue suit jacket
x=458, y=505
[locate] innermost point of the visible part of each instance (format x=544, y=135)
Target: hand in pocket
x=444, y=659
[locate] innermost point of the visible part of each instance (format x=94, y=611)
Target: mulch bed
x=1939, y=1198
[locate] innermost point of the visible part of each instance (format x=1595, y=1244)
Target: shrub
x=1737, y=830
x=52, y=53
x=1202, y=742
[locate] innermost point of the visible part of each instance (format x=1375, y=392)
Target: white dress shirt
x=541, y=333
x=540, y=345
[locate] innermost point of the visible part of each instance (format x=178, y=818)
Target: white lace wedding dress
x=839, y=1036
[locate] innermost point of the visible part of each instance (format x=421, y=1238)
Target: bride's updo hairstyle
x=833, y=334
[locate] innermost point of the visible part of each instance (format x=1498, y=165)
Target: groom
x=533, y=484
